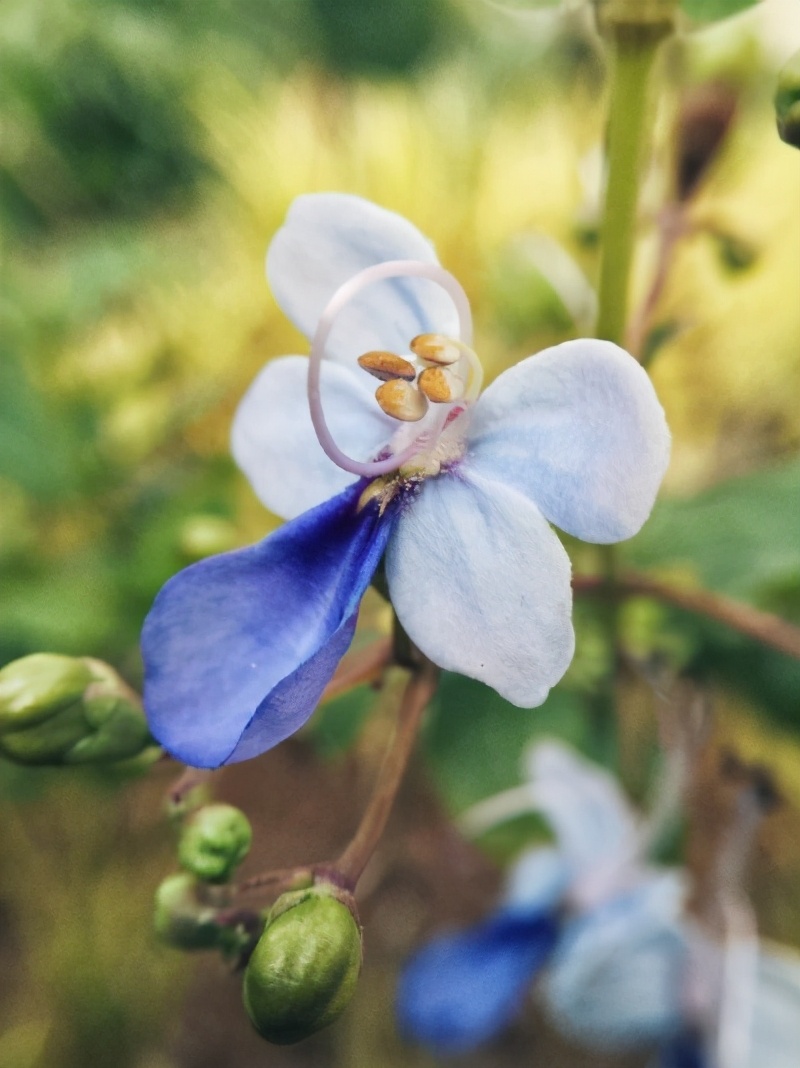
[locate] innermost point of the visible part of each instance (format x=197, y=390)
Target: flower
x=582, y=917
x=617, y=962
x=458, y=492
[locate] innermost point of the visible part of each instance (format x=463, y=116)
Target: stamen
x=401, y=400
x=440, y=385
x=435, y=348
x=387, y=365
x=344, y=294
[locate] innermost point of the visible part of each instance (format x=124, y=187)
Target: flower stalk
x=634, y=52
x=764, y=627
x=416, y=697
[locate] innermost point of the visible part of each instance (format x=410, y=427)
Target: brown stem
x=762, y=626
x=189, y=780
x=365, y=665
x=672, y=226
x=281, y=879
x=418, y=693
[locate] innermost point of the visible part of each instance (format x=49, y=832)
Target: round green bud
x=787, y=102
x=181, y=919
x=304, y=969
x=214, y=841
x=37, y=687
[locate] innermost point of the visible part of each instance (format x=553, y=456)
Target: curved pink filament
x=342, y=296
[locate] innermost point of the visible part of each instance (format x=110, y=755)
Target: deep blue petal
x=683, y=1051
x=462, y=989
x=238, y=648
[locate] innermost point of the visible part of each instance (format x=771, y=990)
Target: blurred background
x=150, y=150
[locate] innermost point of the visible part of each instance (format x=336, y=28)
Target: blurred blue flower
x=585, y=917
x=617, y=963
x=238, y=648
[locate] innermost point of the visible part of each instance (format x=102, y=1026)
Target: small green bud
x=787, y=102
x=214, y=841
x=37, y=687
x=181, y=919
x=304, y=969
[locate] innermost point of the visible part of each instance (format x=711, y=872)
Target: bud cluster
x=191, y=905
x=68, y=710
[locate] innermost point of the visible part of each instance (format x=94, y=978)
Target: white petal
x=538, y=878
x=594, y=825
x=615, y=979
x=482, y=585
x=775, y=1038
x=578, y=429
x=329, y=237
x=273, y=439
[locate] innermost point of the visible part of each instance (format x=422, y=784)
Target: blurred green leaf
x=474, y=739
x=34, y=451
x=336, y=725
x=741, y=537
x=712, y=10
x=360, y=37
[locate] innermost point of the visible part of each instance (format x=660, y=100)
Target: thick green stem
x=634, y=52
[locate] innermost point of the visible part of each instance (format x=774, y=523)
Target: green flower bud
x=787, y=102
x=37, y=687
x=66, y=710
x=214, y=841
x=181, y=919
x=118, y=731
x=47, y=742
x=304, y=969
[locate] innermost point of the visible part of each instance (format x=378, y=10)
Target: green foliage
x=741, y=537
x=475, y=739
x=713, y=10
x=359, y=37
x=336, y=725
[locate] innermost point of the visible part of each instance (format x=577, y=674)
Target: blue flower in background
x=617, y=963
x=587, y=919
x=457, y=490
x=465, y=987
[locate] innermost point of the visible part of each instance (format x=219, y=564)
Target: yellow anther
x=441, y=385
x=401, y=400
x=436, y=349
x=387, y=366
x=375, y=491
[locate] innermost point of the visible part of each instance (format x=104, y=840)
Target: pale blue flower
x=616, y=962
x=587, y=918
x=239, y=648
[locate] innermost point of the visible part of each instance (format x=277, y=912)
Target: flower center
x=425, y=395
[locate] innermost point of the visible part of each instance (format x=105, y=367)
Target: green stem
x=634, y=54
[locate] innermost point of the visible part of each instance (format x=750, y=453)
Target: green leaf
x=741, y=537
x=713, y=10
x=474, y=739
x=336, y=725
